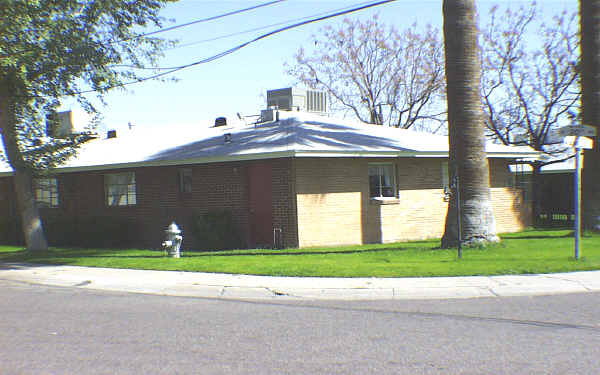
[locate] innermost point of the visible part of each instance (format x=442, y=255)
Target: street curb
x=227, y=286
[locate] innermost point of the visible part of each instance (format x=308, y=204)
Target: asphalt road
x=53, y=330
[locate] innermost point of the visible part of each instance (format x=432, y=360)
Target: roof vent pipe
x=220, y=121
x=111, y=134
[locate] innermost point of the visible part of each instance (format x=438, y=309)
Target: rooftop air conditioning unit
x=67, y=123
x=295, y=99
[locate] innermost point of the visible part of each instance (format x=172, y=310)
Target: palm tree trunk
x=33, y=231
x=589, y=13
x=467, y=156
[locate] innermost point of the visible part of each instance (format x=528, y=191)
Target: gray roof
x=297, y=134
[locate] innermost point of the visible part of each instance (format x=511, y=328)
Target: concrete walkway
x=211, y=285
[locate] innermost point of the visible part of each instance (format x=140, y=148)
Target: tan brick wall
x=334, y=207
x=512, y=215
x=420, y=211
x=329, y=200
x=418, y=214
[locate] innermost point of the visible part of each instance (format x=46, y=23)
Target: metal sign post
x=577, y=200
x=576, y=137
x=456, y=187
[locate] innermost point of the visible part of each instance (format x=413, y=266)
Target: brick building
x=297, y=179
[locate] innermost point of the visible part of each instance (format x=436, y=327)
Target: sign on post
x=576, y=136
x=577, y=130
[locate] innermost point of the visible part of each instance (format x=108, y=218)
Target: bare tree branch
x=529, y=91
x=381, y=75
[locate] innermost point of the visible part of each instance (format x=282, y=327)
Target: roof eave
x=277, y=155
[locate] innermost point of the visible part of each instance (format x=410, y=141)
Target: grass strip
x=527, y=252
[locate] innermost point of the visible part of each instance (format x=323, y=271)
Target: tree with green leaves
x=590, y=102
x=467, y=156
x=52, y=49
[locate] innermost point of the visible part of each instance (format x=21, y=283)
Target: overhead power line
x=165, y=29
x=162, y=30
x=174, y=69
x=264, y=27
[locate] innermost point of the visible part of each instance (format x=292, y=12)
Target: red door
x=260, y=211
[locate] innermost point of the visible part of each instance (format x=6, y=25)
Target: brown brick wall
x=10, y=231
x=7, y=203
x=284, y=205
x=218, y=186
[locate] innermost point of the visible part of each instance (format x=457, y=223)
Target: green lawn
x=531, y=251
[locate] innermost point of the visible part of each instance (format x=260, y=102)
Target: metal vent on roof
x=65, y=124
x=220, y=121
x=295, y=99
x=316, y=101
x=267, y=115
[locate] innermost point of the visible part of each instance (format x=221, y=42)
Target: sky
x=237, y=83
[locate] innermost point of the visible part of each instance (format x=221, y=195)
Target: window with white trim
x=119, y=189
x=46, y=192
x=381, y=181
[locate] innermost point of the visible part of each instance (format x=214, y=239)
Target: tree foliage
x=50, y=49
x=381, y=75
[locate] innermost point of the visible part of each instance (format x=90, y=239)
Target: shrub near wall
x=96, y=231
x=10, y=232
x=215, y=230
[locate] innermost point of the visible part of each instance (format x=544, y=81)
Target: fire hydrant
x=173, y=243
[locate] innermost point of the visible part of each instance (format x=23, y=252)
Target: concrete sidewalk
x=211, y=285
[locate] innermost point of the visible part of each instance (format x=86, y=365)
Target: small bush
x=94, y=231
x=215, y=230
x=10, y=231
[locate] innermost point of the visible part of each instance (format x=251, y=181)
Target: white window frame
x=46, y=192
x=120, y=189
x=383, y=167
